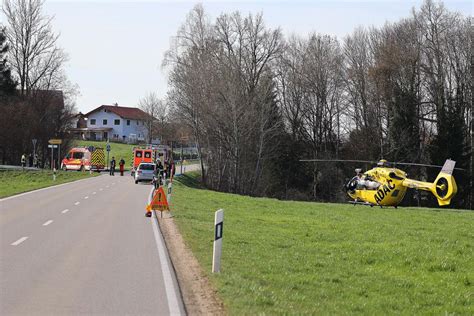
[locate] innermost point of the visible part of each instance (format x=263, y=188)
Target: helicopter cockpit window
x=367, y=183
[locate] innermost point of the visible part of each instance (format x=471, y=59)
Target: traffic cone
x=148, y=211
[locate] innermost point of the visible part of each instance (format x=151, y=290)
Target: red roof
x=122, y=111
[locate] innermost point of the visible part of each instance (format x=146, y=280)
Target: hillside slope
x=117, y=150
x=283, y=257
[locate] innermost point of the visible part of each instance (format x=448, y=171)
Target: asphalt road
x=84, y=248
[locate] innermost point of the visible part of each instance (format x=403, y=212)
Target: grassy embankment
x=124, y=151
x=284, y=257
x=117, y=150
x=14, y=182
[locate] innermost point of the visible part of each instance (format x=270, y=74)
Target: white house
x=113, y=122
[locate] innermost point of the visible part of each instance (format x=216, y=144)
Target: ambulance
x=148, y=154
x=84, y=158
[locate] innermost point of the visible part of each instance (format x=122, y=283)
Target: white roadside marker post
x=217, y=252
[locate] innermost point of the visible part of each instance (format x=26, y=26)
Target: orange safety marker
x=158, y=202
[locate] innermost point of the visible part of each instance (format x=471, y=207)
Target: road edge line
x=171, y=292
x=43, y=189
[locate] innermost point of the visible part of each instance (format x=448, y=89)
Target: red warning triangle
x=159, y=202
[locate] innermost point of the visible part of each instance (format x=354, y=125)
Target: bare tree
x=257, y=104
x=157, y=113
x=36, y=59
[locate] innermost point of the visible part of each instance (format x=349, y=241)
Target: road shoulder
x=199, y=297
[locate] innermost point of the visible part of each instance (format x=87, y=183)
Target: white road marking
x=77, y=203
x=65, y=211
x=94, y=192
x=19, y=241
x=171, y=293
x=101, y=189
x=86, y=197
x=107, y=186
x=47, y=223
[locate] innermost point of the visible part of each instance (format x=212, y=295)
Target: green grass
x=284, y=257
x=117, y=150
x=14, y=182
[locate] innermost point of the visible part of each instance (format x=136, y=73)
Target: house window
x=92, y=121
x=116, y=122
x=137, y=122
x=104, y=122
x=128, y=122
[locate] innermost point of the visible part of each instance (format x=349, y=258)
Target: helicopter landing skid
x=368, y=204
x=361, y=203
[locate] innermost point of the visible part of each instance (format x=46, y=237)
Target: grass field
x=14, y=182
x=117, y=150
x=283, y=257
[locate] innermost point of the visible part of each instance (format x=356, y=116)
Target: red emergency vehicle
x=84, y=158
x=148, y=154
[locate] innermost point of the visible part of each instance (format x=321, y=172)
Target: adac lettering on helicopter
x=383, y=191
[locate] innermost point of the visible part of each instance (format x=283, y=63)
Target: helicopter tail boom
x=443, y=188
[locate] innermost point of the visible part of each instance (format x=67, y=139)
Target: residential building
x=114, y=122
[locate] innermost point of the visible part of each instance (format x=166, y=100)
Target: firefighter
x=159, y=168
x=166, y=169
x=172, y=170
x=112, y=166
x=121, y=164
x=23, y=161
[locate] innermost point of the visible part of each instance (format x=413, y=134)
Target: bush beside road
x=284, y=257
x=15, y=182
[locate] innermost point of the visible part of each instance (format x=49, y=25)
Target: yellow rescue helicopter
x=386, y=186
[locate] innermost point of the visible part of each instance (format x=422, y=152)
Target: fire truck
x=84, y=158
x=150, y=154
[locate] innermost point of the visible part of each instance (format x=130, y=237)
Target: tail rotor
x=445, y=187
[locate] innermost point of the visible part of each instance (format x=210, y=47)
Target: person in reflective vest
x=23, y=161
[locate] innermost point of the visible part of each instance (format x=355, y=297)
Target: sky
x=116, y=48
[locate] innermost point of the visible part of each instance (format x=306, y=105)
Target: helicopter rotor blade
x=371, y=161
x=420, y=164
x=336, y=160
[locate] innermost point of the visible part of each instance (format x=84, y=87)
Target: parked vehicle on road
x=141, y=155
x=84, y=158
x=149, y=154
x=145, y=172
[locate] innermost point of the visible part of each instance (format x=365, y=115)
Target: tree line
x=36, y=98
x=257, y=102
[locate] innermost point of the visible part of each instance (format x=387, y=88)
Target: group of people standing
x=113, y=165
x=33, y=160
x=164, y=171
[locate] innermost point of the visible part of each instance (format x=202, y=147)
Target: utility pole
x=52, y=157
x=107, y=147
x=59, y=155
